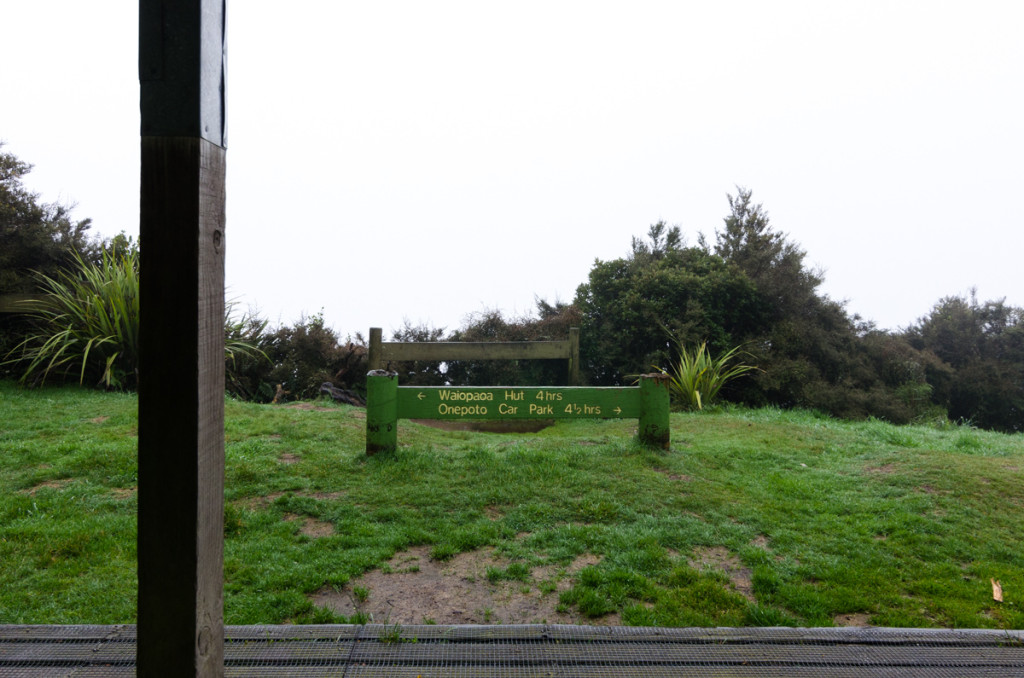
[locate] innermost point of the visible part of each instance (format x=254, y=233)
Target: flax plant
x=88, y=324
x=696, y=377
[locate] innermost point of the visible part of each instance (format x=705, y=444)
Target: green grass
x=904, y=525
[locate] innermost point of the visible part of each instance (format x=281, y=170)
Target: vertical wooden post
x=181, y=373
x=374, y=354
x=381, y=411
x=654, y=427
x=574, y=356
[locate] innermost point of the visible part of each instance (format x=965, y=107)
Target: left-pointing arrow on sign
x=421, y=396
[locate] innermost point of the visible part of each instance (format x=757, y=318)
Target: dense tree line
x=749, y=288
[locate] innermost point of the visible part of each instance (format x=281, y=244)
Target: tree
x=767, y=257
x=979, y=351
x=633, y=308
x=751, y=291
x=36, y=236
x=806, y=344
x=664, y=241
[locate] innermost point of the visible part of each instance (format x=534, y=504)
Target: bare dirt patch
x=98, y=420
x=413, y=589
x=311, y=527
x=48, y=485
x=262, y=502
x=761, y=542
x=288, y=458
x=859, y=620
x=679, y=477
x=720, y=558
x=254, y=503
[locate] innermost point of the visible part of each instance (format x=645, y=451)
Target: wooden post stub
x=374, y=354
x=381, y=411
x=574, y=356
x=654, y=429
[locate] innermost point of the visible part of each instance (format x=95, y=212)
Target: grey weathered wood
x=574, y=356
x=374, y=357
x=475, y=350
x=181, y=374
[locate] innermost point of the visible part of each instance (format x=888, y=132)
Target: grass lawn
x=754, y=517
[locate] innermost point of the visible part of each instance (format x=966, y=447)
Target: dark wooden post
x=181, y=373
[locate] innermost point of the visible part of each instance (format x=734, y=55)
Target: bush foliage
x=295, y=361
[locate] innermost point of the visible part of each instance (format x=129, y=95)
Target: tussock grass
x=754, y=517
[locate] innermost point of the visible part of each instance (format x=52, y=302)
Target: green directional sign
x=518, y=403
x=386, y=403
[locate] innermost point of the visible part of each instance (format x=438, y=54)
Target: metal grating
x=548, y=651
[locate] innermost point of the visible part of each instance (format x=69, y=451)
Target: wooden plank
x=474, y=350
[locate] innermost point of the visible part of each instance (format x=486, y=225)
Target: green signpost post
x=387, y=402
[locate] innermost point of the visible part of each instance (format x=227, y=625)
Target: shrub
x=696, y=377
x=298, y=358
x=88, y=325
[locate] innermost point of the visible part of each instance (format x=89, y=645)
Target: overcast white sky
x=426, y=160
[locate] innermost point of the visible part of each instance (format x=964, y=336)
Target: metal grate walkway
x=550, y=651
